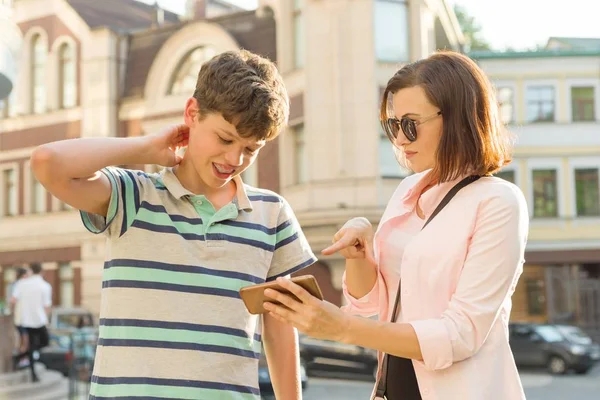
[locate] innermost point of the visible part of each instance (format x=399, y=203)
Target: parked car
x=264, y=377
x=64, y=324
x=334, y=357
x=559, y=348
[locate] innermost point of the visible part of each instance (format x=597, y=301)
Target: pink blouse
x=392, y=245
x=458, y=276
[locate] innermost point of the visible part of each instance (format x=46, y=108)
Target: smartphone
x=254, y=295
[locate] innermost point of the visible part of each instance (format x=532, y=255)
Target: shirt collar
x=175, y=187
x=432, y=197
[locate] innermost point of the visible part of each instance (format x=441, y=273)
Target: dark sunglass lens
x=409, y=129
x=391, y=128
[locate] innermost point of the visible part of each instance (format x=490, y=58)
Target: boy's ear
x=190, y=114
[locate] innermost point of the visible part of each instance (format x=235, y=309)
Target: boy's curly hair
x=247, y=90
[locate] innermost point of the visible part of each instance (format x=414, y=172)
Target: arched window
x=67, y=76
x=39, y=55
x=186, y=75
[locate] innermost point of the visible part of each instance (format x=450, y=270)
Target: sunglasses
x=392, y=126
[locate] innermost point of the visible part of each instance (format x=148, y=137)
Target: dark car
x=264, y=377
x=559, y=348
x=334, y=358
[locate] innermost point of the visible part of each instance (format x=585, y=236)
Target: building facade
x=9, y=48
x=97, y=69
x=335, y=163
x=121, y=68
x=551, y=101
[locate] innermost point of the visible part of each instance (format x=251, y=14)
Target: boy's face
x=215, y=148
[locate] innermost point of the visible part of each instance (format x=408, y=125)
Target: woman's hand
x=314, y=317
x=354, y=240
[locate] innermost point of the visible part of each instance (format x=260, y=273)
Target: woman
x=450, y=338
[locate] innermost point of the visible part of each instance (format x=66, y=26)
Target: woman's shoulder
x=495, y=187
x=498, y=192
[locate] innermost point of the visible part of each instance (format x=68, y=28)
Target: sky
x=518, y=24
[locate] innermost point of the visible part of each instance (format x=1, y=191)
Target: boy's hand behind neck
x=164, y=145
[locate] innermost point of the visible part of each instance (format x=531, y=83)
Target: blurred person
x=21, y=274
x=448, y=338
x=182, y=242
x=33, y=296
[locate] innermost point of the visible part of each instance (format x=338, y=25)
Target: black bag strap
x=382, y=382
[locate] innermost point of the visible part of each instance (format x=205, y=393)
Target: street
x=538, y=386
x=541, y=386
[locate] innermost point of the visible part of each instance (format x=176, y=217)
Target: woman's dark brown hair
x=474, y=140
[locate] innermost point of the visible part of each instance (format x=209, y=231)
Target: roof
x=251, y=32
x=118, y=15
x=555, y=47
x=571, y=43
x=143, y=48
x=489, y=55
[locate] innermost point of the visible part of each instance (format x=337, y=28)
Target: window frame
x=542, y=164
x=35, y=107
x=5, y=167
x=537, y=84
x=576, y=163
x=299, y=48
x=297, y=178
x=183, y=62
x=61, y=75
x=576, y=197
x=582, y=82
x=389, y=60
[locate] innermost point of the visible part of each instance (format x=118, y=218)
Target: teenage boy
x=182, y=242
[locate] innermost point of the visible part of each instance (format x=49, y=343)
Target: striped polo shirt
x=172, y=323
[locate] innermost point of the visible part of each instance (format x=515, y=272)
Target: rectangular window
x=507, y=175
x=9, y=183
x=391, y=31
x=582, y=104
x=67, y=289
x=38, y=74
x=587, y=192
x=505, y=102
x=67, y=77
x=299, y=35
x=545, y=193
x=38, y=196
x=39, y=90
x=540, y=104
x=300, y=156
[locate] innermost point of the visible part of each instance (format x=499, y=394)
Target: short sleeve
x=125, y=199
x=292, y=251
